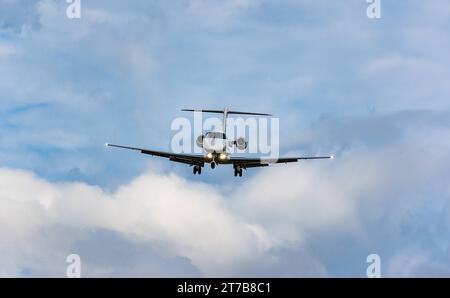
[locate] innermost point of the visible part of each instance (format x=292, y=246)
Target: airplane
x=215, y=144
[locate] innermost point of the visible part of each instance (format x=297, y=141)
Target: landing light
x=332, y=157
x=209, y=155
x=222, y=156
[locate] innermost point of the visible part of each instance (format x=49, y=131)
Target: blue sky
x=373, y=92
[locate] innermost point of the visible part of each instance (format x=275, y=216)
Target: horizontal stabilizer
x=226, y=111
x=203, y=111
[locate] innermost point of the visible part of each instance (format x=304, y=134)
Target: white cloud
x=185, y=219
x=177, y=217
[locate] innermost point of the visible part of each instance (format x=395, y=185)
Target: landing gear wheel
x=197, y=170
x=240, y=173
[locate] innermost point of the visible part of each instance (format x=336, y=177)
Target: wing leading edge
x=243, y=162
x=190, y=159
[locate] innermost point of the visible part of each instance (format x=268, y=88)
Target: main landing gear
x=237, y=172
x=197, y=170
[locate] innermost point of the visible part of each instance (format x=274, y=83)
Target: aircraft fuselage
x=215, y=142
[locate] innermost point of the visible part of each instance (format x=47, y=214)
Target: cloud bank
x=298, y=220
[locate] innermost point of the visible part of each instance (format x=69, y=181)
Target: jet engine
x=241, y=143
x=199, y=141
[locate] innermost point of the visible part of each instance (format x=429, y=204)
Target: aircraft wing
x=190, y=159
x=264, y=162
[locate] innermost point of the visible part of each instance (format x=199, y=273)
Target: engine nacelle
x=199, y=141
x=241, y=143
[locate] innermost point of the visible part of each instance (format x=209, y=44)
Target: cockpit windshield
x=215, y=135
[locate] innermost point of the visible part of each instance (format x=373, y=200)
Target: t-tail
x=225, y=113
